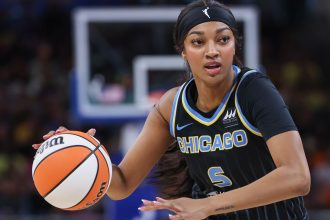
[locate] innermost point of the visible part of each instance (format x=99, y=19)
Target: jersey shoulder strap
x=247, y=124
x=245, y=71
x=175, y=105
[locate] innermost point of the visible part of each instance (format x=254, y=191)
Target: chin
x=214, y=80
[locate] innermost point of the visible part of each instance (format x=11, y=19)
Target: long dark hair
x=171, y=174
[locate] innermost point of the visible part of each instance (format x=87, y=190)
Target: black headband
x=204, y=14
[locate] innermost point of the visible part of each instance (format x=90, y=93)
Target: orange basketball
x=72, y=170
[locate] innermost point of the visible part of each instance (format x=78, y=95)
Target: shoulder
x=164, y=105
x=254, y=81
x=252, y=76
x=256, y=88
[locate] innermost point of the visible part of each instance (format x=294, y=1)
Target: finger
x=160, y=199
x=148, y=208
x=61, y=129
x=48, y=135
x=169, y=204
x=165, y=202
x=147, y=202
x=147, y=205
x=180, y=217
x=36, y=146
x=151, y=205
x=91, y=131
x=175, y=217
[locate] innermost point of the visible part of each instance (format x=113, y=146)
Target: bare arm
x=150, y=145
x=290, y=179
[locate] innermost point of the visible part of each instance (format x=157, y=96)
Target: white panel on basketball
x=68, y=139
x=95, y=139
x=81, y=180
x=108, y=160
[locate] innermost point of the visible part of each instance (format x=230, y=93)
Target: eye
x=223, y=39
x=196, y=42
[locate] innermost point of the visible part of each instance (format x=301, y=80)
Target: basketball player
x=241, y=148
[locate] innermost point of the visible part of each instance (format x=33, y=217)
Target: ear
x=183, y=54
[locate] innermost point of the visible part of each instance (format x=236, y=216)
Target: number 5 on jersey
x=218, y=178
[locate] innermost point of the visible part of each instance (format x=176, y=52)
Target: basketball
x=72, y=170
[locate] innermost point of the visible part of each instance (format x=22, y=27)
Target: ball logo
x=98, y=196
x=50, y=143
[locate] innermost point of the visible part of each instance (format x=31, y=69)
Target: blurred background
x=38, y=81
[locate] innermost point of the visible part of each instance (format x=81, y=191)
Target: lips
x=213, y=68
x=212, y=65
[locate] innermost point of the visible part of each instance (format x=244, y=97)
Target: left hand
x=184, y=208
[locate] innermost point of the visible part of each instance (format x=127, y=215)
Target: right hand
x=91, y=132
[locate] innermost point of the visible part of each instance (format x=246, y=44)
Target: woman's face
x=209, y=49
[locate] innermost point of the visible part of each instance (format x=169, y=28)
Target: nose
x=211, y=50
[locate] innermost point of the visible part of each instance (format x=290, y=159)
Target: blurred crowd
x=36, y=59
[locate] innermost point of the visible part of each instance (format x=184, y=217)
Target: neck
x=210, y=97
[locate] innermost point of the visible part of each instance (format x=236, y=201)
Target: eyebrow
x=217, y=31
